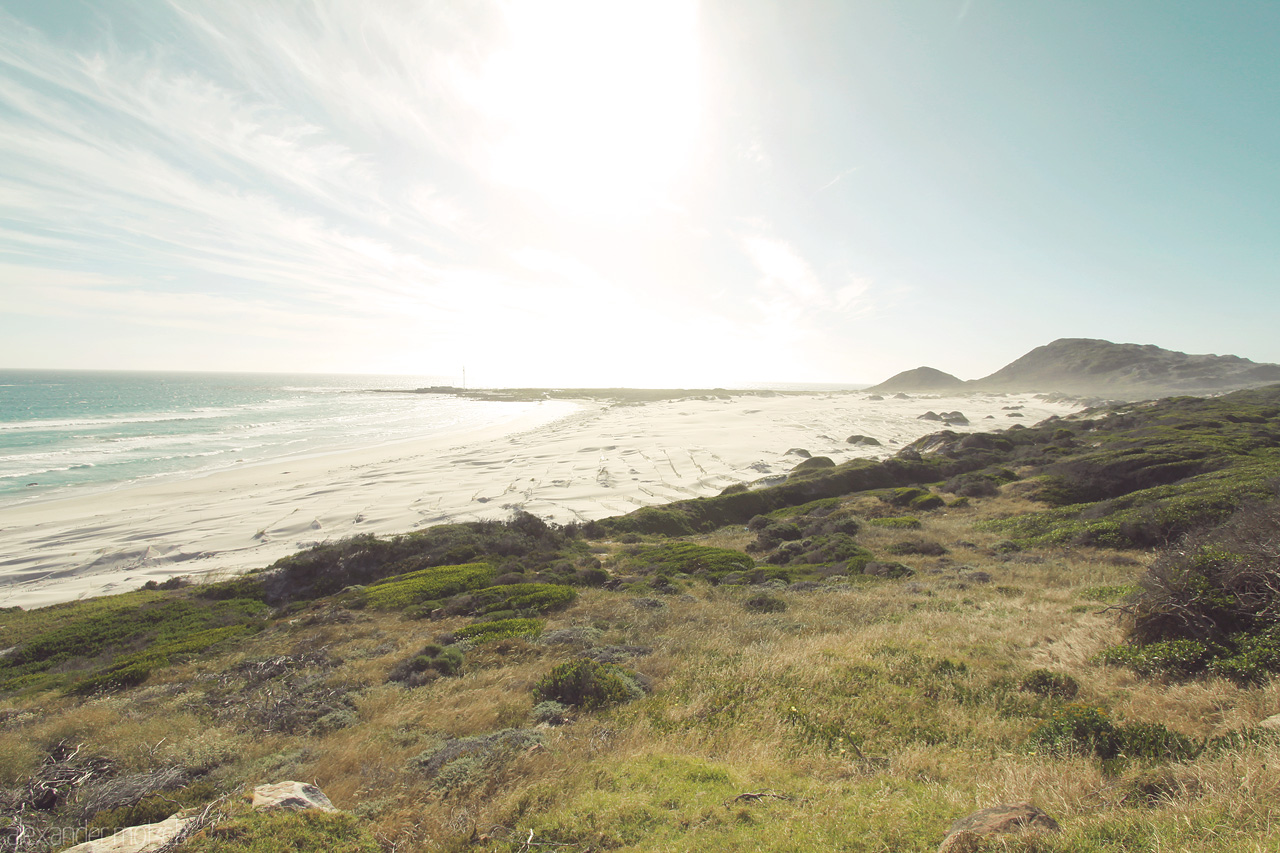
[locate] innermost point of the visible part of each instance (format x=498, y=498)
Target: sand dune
x=567, y=461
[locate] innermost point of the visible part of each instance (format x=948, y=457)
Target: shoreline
x=523, y=422
x=589, y=459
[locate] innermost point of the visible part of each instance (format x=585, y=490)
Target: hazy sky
x=649, y=193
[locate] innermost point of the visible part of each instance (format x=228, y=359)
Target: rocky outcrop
x=862, y=441
x=967, y=833
x=150, y=837
x=140, y=839
x=294, y=796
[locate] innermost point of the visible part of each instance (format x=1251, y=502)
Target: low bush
x=920, y=547
x=473, y=761
x=310, y=831
x=1211, y=603
x=111, y=645
x=499, y=629
x=764, y=603
x=1043, y=682
x=898, y=522
x=914, y=497
x=429, y=584
x=588, y=685
x=777, y=532
x=520, y=599
x=686, y=558
x=1243, y=657
x=151, y=808
x=427, y=665
x=1079, y=729
x=330, y=567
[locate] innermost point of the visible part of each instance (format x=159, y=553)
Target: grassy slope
x=870, y=713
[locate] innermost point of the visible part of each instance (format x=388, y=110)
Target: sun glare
x=596, y=105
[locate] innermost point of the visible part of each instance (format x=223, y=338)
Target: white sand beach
x=567, y=461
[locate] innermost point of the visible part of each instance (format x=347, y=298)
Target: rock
x=798, y=451
x=864, y=440
x=814, y=462
x=955, y=417
x=901, y=396
x=875, y=397
x=966, y=833
x=140, y=839
x=295, y=796
x=929, y=416
x=1272, y=722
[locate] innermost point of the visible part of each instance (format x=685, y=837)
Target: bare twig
x=752, y=796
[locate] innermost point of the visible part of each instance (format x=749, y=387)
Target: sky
x=656, y=193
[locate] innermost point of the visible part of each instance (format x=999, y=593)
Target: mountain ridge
x=1092, y=366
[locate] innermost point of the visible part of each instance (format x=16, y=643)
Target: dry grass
x=878, y=712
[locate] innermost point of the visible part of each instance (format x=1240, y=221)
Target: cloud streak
x=340, y=176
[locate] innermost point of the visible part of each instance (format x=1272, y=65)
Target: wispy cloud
x=122, y=163
x=302, y=170
x=837, y=179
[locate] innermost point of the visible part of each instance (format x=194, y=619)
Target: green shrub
x=433, y=583
x=549, y=711
x=1253, y=657
x=1108, y=593
x=518, y=599
x=900, y=522
x=1079, y=729
x=776, y=532
x=472, y=761
x=908, y=496
x=152, y=808
x=1155, y=741
x=1043, y=682
x=331, y=567
x=687, y=558
x=921, y=547
x=427, y=665
x=1244, y=658
x=1175, y=658
x=133, y=639
x=764, y=603
x=499, y=629
x=821, y=550
x=310, y=831
x=588, y=685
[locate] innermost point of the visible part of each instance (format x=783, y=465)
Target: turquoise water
x=68, y=431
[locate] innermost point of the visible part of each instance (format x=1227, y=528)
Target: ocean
x=65, y=432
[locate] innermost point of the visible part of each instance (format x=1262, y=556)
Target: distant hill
x=1086, y=366
x=921, y=379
